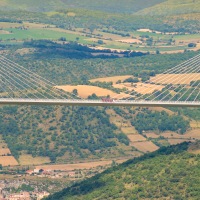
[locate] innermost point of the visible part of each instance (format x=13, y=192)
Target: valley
x=103, y=50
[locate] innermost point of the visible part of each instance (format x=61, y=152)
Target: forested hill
x=128, y=6
x=153, y=7
x=169, y=173
x=173, y=7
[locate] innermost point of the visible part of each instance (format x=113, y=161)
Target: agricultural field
x=85, y=91
x=136, y=138
x=4, y=151
x=99, y=39
x=113, y=79
x=175, y=78
x=76, y=166
x=8, y=161
x=145, y=146
x=6, y=158
x=29, y=160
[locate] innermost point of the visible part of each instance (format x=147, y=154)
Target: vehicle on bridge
x=107, y=100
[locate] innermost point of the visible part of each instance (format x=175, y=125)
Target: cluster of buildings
x=8, y=190
x=26, y=196
x=54, y=173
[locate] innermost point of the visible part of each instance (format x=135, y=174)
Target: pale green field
x=13, y=33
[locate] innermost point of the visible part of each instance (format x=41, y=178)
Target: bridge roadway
x=81, y=102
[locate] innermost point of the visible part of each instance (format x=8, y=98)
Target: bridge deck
x=69, y=102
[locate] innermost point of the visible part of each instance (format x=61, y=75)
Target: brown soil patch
x=194, y=134
x=4, y=32
x=30, y=160
x=8, y=161
x=136, y=137
x=130, y=41
x=173, y=135
x=142, y=88
x=175, y=78
x=71, y=14
x=177, y=141
x=35, y=25
x=4, y=152
x=88, y=165
x=146, y=146
x=129, y=130
x=194, y=124
x=9, y=25
x=86, y=90
x=151, y=135
x=113, y=79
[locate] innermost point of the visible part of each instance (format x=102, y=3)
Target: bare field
x=88, y=165
x=86, y=90
x=177, y=141
x=136, y=138
x=130, y=41
x=113, y=79
x=195, y=124
x=8, y=161
x=151, y=135
x=175, y=78
x=4, y=32
x=29, y=160
x=142, y=88
x=4, y=151
x=35, y=25
x=192, y=134
x=170, y=134
x=9, y=25
x=129, y=130
x=145, y=146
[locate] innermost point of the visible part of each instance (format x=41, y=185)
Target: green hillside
x=128, y=6
x=172, y=7
x=153, y=7
x=72, y=133
x=169, y=173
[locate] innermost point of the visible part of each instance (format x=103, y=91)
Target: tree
x=75, y=91
x=100, y=41
x=62, y=39
x=192, y=45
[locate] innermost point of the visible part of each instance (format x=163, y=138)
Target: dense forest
x=129, y=6
x=170, y=172
x=59, y=132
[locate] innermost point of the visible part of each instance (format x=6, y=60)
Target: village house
x=71, y=174
x=38, y=171
x=19, y=196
